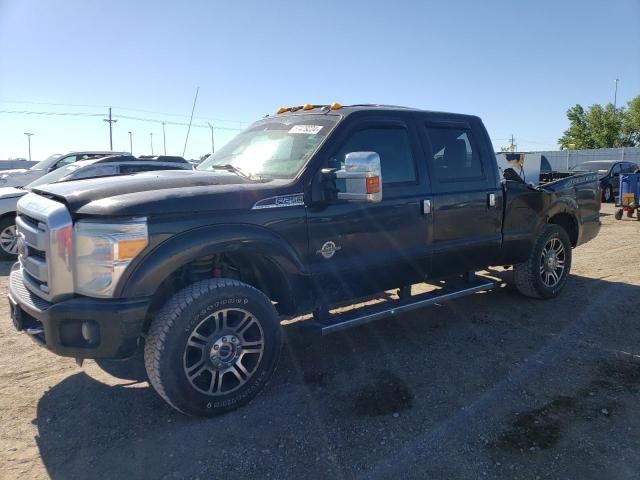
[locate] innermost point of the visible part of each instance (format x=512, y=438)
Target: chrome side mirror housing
x=363, y=177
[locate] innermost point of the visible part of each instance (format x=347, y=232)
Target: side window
x=453, y=155
x=616, y=169
x=94, y=171
x=393, y=146
x=64, y=161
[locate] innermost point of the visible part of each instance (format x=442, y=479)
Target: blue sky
x=519, y=65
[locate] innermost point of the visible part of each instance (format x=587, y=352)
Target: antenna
x=190, y=119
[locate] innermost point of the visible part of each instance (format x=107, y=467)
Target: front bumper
x=80, y=327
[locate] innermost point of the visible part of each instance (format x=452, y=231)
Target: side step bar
x=335, y=323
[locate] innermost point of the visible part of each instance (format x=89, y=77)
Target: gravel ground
x=490, y=386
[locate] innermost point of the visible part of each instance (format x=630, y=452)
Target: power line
x=125, y=117
x=122, y=108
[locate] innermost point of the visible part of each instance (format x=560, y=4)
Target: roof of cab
x=345, y=110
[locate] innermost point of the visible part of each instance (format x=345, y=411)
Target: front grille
x=44, y=230
x=23, y=294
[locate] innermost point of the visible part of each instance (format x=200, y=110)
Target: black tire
x=6, y=225
x=221, y=319
x=607, y=194
x=630, y=213
x=618, y=214
x=531, y=277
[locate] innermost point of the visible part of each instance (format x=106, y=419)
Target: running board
x=335, y=323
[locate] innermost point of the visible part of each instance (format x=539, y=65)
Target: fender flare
x=157, y=265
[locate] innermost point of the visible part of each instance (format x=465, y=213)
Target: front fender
x=158, y=264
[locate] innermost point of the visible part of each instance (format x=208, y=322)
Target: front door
x=358, y=248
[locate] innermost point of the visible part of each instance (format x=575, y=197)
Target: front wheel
x=8, y=239
x=213, y=347
x=545, y=272
x=607, y=194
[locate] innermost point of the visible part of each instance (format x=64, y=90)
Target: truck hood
x=11, y=192
x=14, y=172
x=159, y=193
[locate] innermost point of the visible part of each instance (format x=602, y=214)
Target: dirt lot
x=491, y=386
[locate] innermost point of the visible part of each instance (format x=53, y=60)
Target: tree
x=602, y=127
x=631, y=126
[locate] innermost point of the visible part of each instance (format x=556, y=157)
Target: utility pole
x=513, y=146
x=615, y=94
x=164, y=139
x=111, y=122
x=151, y=135
x=212, y=147
x=130, y=142
x=29, y=135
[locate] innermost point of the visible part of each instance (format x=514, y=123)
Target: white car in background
x=19, y=177
x=96, y=167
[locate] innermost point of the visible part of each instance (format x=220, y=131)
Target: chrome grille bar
x=44, y=229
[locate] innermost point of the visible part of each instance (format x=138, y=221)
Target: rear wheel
x=544, y=274
x=8, y=239
x=213, y=347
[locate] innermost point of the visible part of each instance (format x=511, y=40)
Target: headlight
x=103, y=251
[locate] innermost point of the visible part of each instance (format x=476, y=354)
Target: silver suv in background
x=20, y=177
x=95, y=167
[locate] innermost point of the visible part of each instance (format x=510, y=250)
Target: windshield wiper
x=231, y=168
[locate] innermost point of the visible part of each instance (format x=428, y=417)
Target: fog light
x=90, y=332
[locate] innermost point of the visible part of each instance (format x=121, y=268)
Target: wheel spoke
x=239, y=371
x=247, y=326
x=196, y=369
x=252, y=347
x=193, y=343
x=216, y=382
x=239, y=328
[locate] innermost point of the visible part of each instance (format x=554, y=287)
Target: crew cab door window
x=453, y=155
x=392, y=144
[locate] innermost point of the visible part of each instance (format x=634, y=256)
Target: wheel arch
x=567, y=221
x=264, y=260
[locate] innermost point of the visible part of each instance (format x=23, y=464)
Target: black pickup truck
x=306, y=209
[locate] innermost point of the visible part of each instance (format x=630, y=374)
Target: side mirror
x=363, y=177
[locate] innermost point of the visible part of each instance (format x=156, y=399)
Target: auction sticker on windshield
x=308, y=129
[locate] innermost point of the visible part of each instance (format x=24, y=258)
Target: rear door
x=466, y=194
x=358, y=248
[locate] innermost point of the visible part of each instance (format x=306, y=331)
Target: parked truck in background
x=305, y=209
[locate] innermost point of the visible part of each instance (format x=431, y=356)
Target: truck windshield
x=57, y=175
x=276, y=147
x=46, y=162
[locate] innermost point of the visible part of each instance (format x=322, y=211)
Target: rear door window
x=453, y=155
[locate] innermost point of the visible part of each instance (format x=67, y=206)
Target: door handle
x=491, y=200
x=426, y=207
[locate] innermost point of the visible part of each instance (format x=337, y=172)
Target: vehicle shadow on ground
x=5, y=268
x=336, y=406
